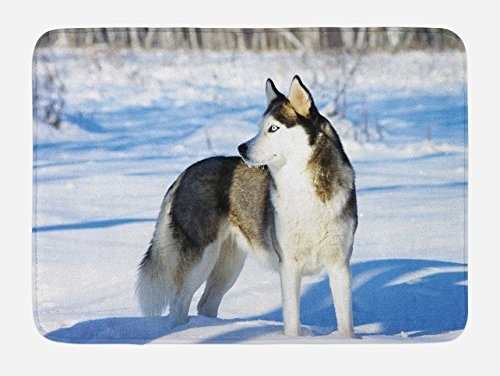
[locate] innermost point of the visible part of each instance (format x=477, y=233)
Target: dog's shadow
x=409, y=297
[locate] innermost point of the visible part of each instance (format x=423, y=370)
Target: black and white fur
x=296, y=213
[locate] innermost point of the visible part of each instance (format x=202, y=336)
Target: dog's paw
x=300, y=332
x=306, y=332
x=356, y=336
x=345, y=335
x=292, y=331
x=174, y=323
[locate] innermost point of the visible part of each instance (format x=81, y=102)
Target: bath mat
x=299, y=185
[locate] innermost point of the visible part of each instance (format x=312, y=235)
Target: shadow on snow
x=92, y=224
x=417, y=297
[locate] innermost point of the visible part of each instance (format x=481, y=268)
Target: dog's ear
x=300, y=98
x=271, y=92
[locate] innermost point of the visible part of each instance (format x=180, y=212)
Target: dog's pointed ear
x=271, y=92
x=300, y=98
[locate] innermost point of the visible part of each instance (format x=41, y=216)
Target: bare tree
x=379, y=129
x=348, y=62
x=363, y=121
x=49, y=107
x=310, y=39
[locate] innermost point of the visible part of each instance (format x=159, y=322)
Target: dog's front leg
x=341, y=286
x=290, y=295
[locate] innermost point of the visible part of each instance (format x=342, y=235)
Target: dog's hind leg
x=222, y=277
x=340, y=283
x=190, y=281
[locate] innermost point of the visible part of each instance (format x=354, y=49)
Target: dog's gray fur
x=219, y=208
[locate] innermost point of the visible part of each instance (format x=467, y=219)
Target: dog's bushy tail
x=154, y=286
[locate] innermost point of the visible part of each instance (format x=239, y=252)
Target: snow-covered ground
x=133, y=121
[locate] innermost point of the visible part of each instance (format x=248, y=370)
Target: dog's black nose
x=243, y=150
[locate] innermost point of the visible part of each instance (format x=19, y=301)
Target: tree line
x=252, y=39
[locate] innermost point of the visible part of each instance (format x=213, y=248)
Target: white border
x=25, y=350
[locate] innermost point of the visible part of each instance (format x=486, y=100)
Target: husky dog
x=296, y=213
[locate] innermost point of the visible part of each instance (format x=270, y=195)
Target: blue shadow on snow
x=435, y=302
x=92, y=224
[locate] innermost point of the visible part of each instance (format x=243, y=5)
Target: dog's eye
x=273, y=128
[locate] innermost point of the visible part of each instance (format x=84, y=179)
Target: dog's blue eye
x=273, y=128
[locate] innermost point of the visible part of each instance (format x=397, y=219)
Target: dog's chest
x=309, y=230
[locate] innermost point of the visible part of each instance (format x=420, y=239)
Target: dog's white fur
x=327, y=242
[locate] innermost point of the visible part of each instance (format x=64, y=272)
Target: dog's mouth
x=258, y=163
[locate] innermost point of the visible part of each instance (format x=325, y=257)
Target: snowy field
x=133, y=121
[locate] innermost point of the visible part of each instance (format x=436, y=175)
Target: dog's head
x=288, y=129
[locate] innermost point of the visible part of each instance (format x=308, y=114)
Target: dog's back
x=215, y=212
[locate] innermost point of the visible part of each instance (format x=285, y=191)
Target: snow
x=134, y=120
